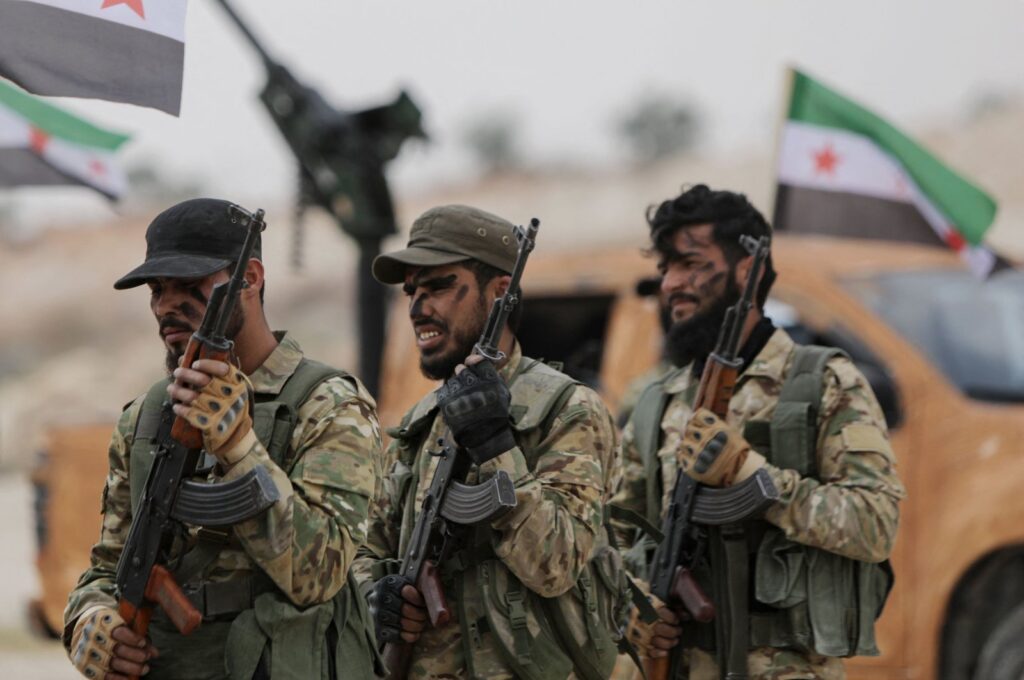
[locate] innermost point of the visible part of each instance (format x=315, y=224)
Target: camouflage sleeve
x=96, y=585
x=548, y=538
x=385, y=522
x=852, y=510
x=307, y=541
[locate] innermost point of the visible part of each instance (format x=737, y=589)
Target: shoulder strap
x=148, y=422
x=646, y=419
x=277, y=416
x=539, y=393
x=794, y=425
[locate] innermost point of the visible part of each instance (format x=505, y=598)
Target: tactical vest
x=803, y=598
x=248, y=623
x=536, y=638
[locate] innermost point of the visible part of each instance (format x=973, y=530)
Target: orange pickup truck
x=943, y=351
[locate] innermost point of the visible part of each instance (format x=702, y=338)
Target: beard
x=441, y=365
x=694, y=339
x=175, y=353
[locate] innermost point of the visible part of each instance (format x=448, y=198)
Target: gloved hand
x=215, y=398
x=101, y=643
x=714, y=453
x=475, y=407
x=653, y=640
x=397, y=610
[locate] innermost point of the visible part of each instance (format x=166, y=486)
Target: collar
x=271, y=376
x=770, y=362
x=511, y=367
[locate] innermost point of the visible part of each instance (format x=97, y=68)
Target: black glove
x=475, y=405
x=385, y=604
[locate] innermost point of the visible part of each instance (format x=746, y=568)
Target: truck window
x=971, y=330
x=568, y=329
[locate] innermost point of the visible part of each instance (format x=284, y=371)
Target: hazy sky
x=565, y=68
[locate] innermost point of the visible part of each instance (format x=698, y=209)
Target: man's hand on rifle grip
x=397, y=609
x=654, y=640
x=103, y=647
x=216, y=399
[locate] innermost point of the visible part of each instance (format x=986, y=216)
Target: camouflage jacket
x=849, y=508
x=307, y=541
x=561, y=486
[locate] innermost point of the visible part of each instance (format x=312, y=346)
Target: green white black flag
x=844, y=171
x=130, y=51
x=41, y=144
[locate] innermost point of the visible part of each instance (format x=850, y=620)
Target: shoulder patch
x=864, y=437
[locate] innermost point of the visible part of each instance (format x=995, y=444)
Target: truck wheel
x=1002, y=655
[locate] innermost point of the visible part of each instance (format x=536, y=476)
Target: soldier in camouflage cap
x=514, y=585
x=273, y=590
x=819, y=553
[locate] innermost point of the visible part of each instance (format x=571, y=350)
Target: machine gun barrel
x=237, y=20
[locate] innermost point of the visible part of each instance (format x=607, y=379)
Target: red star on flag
x=955, y=240
x=38, y=140
x=135, y=5
x=97, y=168
x=825, y=161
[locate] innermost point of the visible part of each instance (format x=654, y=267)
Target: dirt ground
x=23, y=654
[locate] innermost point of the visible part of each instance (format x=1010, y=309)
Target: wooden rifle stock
x=717, y=383
x=182, y=431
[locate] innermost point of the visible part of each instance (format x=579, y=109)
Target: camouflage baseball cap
x=449, y=234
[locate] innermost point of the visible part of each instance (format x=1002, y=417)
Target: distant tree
x=150, y=186
x=658, y=126
x=494, y=141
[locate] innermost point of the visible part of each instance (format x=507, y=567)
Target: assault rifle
x=694, y=508
x=450, y=504
x=170, y=500
x=341, y=159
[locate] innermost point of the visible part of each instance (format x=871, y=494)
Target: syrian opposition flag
x=130, y=51
x=43, y=145
x=846, y=172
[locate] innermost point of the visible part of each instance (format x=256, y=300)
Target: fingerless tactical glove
x=475, y=407
x=385, y=604
x=715, y=454
x=92, y=646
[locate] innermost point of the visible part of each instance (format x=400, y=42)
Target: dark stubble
x=441, y=366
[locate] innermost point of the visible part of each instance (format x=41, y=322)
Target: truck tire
x=1002, y=655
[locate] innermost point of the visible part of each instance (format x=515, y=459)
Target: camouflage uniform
x=561, y=484
x=849, y=509
x=307, y=541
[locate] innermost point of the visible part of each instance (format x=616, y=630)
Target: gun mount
x=342, y=156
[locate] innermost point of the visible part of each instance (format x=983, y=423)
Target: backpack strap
x=794, y=425
x=276, y=416
x=647, y=414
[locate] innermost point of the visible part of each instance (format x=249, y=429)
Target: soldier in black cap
x=272, y=590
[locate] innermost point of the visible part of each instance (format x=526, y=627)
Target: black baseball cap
x=190, y=240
